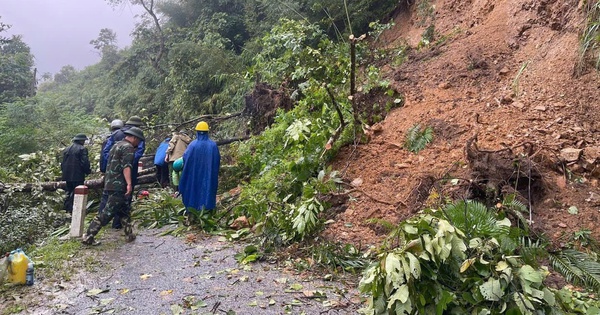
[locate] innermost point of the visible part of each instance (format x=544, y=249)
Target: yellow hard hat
x=202, y=126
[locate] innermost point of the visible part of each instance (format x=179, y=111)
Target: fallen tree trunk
x=53, y=186
x=230, y=140
x=146, y=176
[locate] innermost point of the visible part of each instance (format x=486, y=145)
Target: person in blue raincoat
x=200, y=175
x=162, y=169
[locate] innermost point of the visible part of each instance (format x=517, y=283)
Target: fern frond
x=514, y=206
x=474, y=219
x=413, y=133
x=577, y=268
x=508, y=244
x=510, y=202
x=563, y=265
x=416, y=140
x=532, y=251
x=388, y=225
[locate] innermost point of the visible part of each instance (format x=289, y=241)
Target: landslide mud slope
x=505, y=73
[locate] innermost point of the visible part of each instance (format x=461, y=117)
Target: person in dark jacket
x=133, y=121
x=75, y=165
x=200, y=175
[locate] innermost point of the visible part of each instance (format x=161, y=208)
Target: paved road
x=166, y=275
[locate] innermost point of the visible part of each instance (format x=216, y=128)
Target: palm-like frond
x=416, y=140
x=517, y=208
x=532, y=251
x=386, y=224
x=338, y=255
x=474, y=219
x=512, y=203
x=577, y=268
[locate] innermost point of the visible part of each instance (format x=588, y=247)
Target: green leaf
x=549, y=297
x=296, y=286
x=492, y=290
x=176, y=309
x=528, y=273
x=442, y=303
x=593, y=310
x=523, y=303
x=573, y=210
x=401, y=295
x=249, y=259
x=415, y=266
x=93, y=292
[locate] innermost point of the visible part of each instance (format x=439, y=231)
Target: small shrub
x=416, y=139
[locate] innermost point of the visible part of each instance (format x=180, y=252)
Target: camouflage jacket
x=119, y=158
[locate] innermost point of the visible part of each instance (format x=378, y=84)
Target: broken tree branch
x=193, y=120
x=230, y=140
x=53, y=186
x=342, y=125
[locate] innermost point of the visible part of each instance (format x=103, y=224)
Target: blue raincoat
x=161, y=152
x=200, y=174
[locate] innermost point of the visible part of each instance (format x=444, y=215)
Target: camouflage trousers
x=116, y=205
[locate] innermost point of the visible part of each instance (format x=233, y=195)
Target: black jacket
x=75, y=164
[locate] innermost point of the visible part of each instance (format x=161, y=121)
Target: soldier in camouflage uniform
x=117, y=186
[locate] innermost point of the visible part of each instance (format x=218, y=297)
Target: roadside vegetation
x=456, y=257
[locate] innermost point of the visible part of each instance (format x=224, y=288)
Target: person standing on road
x=200, y=175
x=162, y=169
x=179, y=142
x=114, y=126
x=117, y=136
x=118, y=186
x=75, y=165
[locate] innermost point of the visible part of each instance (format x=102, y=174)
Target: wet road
x=165, y=275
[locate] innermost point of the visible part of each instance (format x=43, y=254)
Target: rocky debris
x=498, y=173
x=592, y=154
x=240, y=223
x=570, y=154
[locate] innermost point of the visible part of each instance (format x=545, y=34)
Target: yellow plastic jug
x=17, y=268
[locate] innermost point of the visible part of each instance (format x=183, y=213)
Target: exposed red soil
x=506, y=73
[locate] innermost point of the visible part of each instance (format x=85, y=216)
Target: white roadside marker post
x=79, y=211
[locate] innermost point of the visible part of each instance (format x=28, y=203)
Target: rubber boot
x=93, y=229
x=128, y=229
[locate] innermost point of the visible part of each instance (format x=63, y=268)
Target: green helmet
x=136, y=132
x=178, y=164
x=80, y=137
x=134, y=121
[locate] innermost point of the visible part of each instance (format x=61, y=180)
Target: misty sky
x=59, y=31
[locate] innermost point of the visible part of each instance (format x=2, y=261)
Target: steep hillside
x=500, y=70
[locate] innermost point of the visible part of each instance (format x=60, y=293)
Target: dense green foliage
x=287, y=163
x=24, y=219
x=16, y=68
x=203, y=58
x=463, y=259
x=198, y=59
